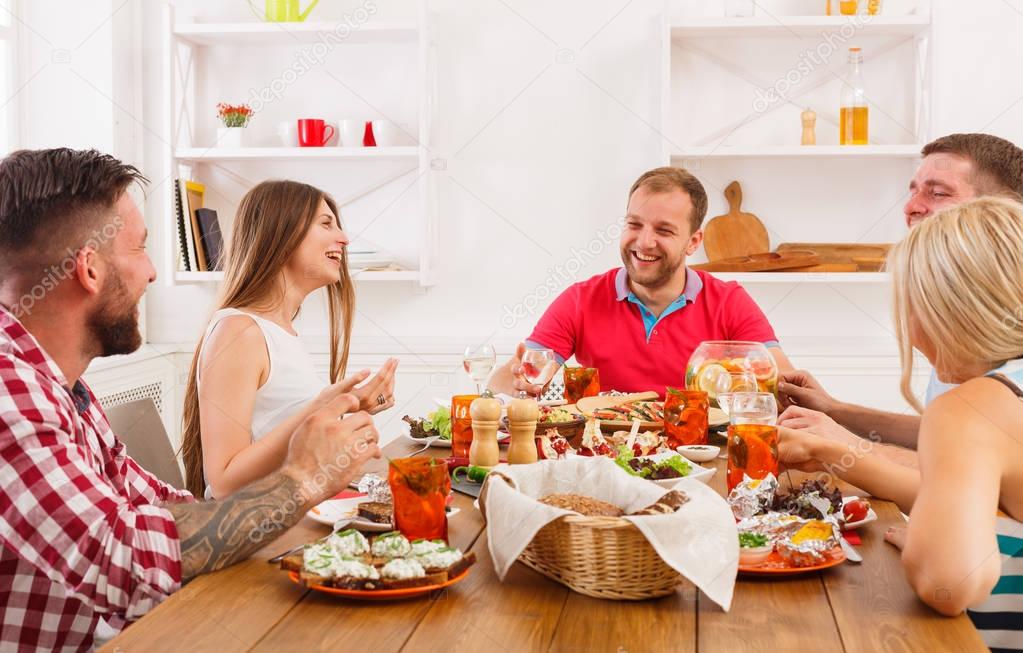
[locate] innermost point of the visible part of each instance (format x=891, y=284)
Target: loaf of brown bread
x=582, y=504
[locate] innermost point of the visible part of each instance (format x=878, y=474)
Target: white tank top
x=291, y=382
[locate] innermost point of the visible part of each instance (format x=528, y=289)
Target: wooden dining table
x=253, y=606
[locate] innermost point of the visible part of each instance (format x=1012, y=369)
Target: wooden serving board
x=840, y=252
x=734, y=233
x=763, y=262
x=587, y=405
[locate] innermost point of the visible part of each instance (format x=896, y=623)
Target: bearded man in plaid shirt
x=86, y=533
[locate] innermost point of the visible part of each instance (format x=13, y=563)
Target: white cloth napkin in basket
x=699, y=541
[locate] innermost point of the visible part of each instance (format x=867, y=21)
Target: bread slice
x=379, y=513
x=294, y=562
x=407, y=583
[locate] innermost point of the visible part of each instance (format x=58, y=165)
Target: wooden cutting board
x=587, y=405
x=762, y=262
x=735, y=233
x=840, y=252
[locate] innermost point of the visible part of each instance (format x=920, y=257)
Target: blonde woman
x=958, y=281
x=252, y=382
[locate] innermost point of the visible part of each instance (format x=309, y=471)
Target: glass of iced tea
x=420, y=487
x=752, y=437
x=685, y=417
x=581, y=382
x=461, y=425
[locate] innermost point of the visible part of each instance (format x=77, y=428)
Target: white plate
x=504, y=399
x=702, y=474
x=440, y=443
x=705, y=454
x=342, y=513
x=871, y=516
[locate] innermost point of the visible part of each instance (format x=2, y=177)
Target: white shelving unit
x=292, y=33
x=184, y=42
x=804, y=277
x=705, y=35
x=295, y=153
x=801, y=26
x=800, y=151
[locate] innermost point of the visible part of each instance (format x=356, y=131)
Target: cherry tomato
x=855, y=510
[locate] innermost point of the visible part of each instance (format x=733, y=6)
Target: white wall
x=545, y=115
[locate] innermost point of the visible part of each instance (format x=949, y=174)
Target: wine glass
x=479, y=361
x=538, y=366
x=735, y=382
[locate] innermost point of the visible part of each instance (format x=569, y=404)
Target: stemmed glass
x=479, y=361
x=539, y=367
x=736, y=382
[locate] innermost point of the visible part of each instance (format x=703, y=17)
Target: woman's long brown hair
x=271, y=222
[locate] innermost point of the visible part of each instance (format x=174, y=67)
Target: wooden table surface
x=254, y=606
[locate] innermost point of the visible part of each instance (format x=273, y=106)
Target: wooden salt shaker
x=486, y=414
x=809, y=118
x=522, y=417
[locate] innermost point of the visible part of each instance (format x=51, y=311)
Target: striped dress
x=1000, y=617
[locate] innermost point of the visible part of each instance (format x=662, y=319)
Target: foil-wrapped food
x=752, y=496
x=800, y=542
x=375, y=488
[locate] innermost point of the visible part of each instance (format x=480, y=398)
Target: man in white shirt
x=955, y=168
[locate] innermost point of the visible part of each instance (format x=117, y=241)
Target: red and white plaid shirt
x=83, y=533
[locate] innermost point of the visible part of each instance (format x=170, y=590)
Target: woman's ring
x=381, y=400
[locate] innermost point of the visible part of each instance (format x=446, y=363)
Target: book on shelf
x=211, y=240
x=188, y=198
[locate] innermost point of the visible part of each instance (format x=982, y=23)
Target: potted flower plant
x=235, y=120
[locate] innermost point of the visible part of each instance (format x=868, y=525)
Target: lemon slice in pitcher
x=714, y=379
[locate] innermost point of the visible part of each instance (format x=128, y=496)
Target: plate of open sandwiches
x=384, y=567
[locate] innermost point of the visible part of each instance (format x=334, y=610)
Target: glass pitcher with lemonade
x=724, y=367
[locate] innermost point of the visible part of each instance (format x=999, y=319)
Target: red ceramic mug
x=313, y=132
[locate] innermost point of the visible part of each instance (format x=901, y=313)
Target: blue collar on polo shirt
x=694, y=285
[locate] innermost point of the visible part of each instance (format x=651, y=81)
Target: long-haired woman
x=958, y=281
x=252, y=382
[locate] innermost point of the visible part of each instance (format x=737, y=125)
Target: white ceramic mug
x=387, y=134
x=352, y=132
x=287, y=132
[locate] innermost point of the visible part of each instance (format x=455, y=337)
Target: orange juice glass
x=420, y=487
x=581, y=382
x=685, y=417
x=752, y=451
x=461, y=425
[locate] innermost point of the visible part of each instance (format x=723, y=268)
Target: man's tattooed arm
x=217, y=534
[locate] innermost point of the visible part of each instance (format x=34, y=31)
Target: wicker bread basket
x=603, y=557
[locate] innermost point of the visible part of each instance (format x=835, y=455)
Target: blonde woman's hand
x=377, y=394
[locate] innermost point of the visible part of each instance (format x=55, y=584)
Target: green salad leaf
x=625, y=454
x=440, y=421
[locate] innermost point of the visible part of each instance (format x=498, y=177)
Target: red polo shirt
x=606, y=326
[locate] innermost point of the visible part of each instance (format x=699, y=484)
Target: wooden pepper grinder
x=809, y=118
x=522, y=416
x=486, y=413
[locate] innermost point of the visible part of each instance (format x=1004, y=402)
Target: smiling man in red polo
x=639, y=324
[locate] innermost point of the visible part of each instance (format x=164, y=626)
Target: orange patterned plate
x=775, y=565
x=382, y=595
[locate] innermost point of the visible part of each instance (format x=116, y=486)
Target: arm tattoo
x=216, y=534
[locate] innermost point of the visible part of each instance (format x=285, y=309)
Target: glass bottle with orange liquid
x=852, y=121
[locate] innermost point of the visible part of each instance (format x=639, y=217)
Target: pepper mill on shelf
x=522, y=417
x=809, y=118
x=486, y=414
